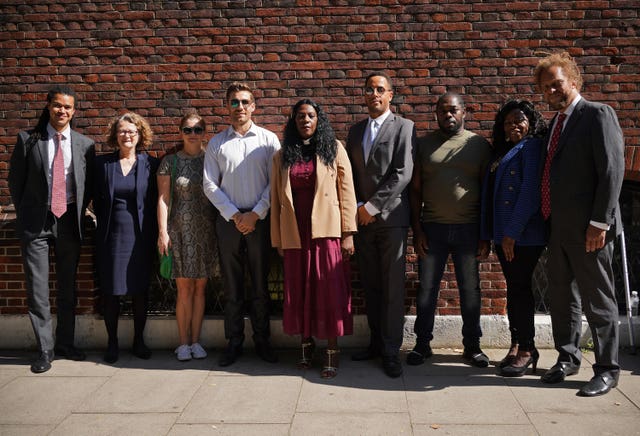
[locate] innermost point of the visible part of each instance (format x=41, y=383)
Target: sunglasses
x=190, y=130
x=235, y=103
x=369, y=90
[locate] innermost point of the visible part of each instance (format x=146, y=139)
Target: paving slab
x=369, y=424
x=474, y=430
x=114, y=424
x=44, y=400
x=244, y=399
x=229, y=429
x=358, y=387
x=597, y=424
x=463, y=400
x=7, y=375
x=144, y=391
x=24, y=429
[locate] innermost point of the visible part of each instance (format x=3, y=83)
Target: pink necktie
x=545, y=190
x=58, y=183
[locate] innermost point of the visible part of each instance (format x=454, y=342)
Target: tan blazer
x=334, y=202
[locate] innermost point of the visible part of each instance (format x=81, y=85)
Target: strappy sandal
x=307, y=354
x=330, y=367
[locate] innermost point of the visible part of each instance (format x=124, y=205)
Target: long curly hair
x=323, y=140
x=144, y=130
x=537, y=125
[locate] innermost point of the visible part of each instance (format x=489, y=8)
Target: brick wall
x=162, y=58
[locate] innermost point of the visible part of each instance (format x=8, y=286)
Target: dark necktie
x=58, y=182
x=545, y=190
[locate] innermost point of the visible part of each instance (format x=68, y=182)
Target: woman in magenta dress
x=313, y=217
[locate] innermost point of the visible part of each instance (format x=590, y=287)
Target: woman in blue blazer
x=511, y=218
x=125, y=205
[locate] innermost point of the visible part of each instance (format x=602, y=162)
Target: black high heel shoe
x=521, y=363
x=510, y=357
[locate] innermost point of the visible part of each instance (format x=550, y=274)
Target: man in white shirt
x=237, y=171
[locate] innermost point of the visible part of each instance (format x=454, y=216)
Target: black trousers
x=381, y=261
x=236, y=251
x=63, y=235
x=520, y=301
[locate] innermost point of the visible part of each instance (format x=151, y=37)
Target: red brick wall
x=162, y=58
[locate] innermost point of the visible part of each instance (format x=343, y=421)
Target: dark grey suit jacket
x=587, y=172
x=383, y=179
x=29, y=186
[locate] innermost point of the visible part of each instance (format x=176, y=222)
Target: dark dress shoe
x=392, y=366
x=598, y=385
x=419, y=353
x=559, y=371
x=265, y=352
x=230, y=355
x=370, y=353
x=476, y=358
x=111, y=355
x=43, y=362
x=70, y=352
x=141, y=351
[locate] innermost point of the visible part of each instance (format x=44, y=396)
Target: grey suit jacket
x=29, y=186
x=384, y=178
x=587, y=172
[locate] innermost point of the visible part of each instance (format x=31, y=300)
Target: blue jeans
x=461, y=240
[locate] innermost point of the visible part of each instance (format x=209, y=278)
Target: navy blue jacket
x=516, y=197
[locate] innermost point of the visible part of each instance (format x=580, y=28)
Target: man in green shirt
x=445, y=216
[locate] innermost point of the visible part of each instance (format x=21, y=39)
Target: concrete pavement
x=444, y=396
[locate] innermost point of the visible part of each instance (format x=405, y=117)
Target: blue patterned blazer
x=516, y=197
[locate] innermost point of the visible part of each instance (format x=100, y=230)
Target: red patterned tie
x=58, y=182
x=545, y=190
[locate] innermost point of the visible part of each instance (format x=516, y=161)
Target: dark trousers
x=461, y=240
x=381, y=259
x=594, y=293
x=236, y=250
x=61, y=233
x=520, y=301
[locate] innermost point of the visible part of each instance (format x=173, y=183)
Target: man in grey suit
x=580, y=185
x=48, y=170
x=380, y=150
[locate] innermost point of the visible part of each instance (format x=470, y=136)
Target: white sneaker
x=183, y=352
x=197, y=351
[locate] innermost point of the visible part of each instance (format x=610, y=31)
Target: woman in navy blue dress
x=125, y=205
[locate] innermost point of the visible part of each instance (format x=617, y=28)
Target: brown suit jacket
x=334, y=202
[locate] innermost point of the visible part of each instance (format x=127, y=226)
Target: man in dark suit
x=49, y=167
x=580, y=185
x=380, y=150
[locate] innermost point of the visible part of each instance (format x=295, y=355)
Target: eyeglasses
x=127, y=132
x=235, y=103
x=189, y=130
x=369, y=90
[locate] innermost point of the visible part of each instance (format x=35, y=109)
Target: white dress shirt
x=367, y=144
x=237, y=170
x=65, y=143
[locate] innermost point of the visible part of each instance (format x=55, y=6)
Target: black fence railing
x=162, y=295
x=630, y=210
